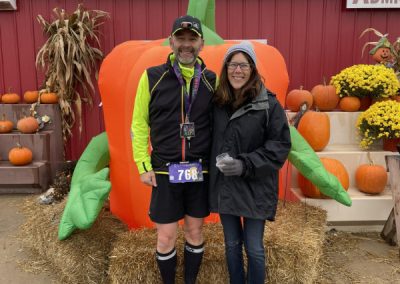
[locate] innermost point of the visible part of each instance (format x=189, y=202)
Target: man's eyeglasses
x=243, y=66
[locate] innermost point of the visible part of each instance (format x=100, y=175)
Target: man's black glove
x=232, y=167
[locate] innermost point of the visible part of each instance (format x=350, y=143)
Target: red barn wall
x=317, y=38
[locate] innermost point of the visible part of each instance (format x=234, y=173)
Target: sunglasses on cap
x=188, y=25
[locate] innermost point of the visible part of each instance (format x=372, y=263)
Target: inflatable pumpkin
x=118, y=80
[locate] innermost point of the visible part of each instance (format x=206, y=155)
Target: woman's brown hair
x=224, y=94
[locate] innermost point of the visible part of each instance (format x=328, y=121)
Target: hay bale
x=83, y=258
x=132, y=259
x=293, y=244
x=109, y=253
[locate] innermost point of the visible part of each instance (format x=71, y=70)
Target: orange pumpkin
x=48, y=98
x=333, y=166
x=28, y=124
x=295, y=98
x=10, y=98
x=382, y=54
x=20, y=156
x=349, y=104
x=325, y=97
x=31, y=97
x=6, y=126
x=371, y=178
x=315, y=127
x=129, y=198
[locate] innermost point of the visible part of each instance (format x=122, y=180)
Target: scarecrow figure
x=383, y=51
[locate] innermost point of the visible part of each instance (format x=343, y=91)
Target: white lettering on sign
x=373, y=4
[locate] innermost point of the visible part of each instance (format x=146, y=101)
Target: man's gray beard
x=189, y=63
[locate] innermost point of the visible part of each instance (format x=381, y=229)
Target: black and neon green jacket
x=159, y=106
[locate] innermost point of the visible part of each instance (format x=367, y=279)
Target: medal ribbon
x=189, y=99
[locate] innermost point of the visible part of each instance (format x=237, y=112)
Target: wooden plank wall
x=317, y=38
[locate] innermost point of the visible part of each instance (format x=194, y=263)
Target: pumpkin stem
x=324, y=80
x=19, y=145
x=371, y=162
x=301, y=88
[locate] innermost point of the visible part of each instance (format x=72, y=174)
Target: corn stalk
x=69, y=57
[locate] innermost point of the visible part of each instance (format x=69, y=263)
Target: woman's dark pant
x=251, y=233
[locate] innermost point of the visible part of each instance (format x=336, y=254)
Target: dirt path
x=12, y=254
x=359, y=258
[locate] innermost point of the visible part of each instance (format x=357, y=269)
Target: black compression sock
x=167, y=265
x=192, y=256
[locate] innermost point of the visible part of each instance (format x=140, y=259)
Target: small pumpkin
x=371, y=178
x=349, y=104
x=6, y=126
x=325, y=97
x=296, y=97
x=333, y=166
x=10, y=98
x=20, y=156
x=28, y=124
x=315, y=127
x=48, y=98
x=31, y=97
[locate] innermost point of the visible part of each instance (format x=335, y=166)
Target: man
x=174, y=101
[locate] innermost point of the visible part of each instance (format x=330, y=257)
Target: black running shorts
x=170, y=202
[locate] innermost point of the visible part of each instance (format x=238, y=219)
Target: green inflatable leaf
x=90, y=186
x=306, y=161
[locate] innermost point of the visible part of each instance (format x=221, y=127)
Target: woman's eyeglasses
x=243, y=66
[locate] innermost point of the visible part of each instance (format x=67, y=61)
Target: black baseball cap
x=187, y=22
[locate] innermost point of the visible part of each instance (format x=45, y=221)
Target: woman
x=251, y=127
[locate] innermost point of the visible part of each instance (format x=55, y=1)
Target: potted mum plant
x=380, y=122
x=366, y=81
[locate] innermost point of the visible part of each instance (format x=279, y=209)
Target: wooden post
x=393, y=162
x=389, y=230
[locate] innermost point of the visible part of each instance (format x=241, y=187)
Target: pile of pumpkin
x=30, y=97
x=19, y=155
x=314, y=126
x=323, y=97
x=370, y=178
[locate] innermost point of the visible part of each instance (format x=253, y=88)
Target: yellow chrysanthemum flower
x=381, y=120
x=362, y=80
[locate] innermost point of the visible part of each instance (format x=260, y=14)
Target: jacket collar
x=258, y=103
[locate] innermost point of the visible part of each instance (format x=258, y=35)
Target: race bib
x=185, y=172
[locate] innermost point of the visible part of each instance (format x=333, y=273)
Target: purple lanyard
x=189, y=99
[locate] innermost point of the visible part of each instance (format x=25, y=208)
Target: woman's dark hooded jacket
x=258, y=134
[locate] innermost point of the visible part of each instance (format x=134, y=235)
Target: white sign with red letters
x=372, y=4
